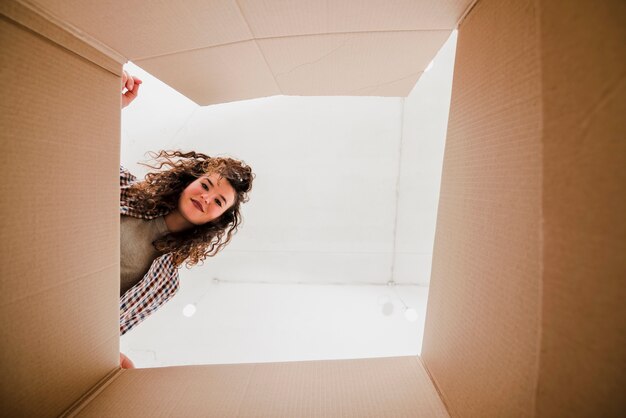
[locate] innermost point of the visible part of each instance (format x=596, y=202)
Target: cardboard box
x=526, y=313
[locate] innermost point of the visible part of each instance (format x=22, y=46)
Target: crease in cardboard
x=73, y=30
x=606, y=97
x=258, y=48
x=542, y=220
x=86, y=399
x=269, y=38
x=44, y=290
x=465, y=13
x=316, y=60
x=51, y=30
x=382, y=83
x=267, y=64
x=435, y=385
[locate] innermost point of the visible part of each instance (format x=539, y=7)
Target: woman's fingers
x=131, y=84
x=130, y=95
x=129, y=81
x=125, y=362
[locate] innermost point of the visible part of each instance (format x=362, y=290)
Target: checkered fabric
x=158, y=285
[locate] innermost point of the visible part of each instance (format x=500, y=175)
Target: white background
x=345, y=201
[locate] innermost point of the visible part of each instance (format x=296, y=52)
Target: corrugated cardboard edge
x=465, y=13
x=65, y=35
x=435, y=385
x=84, y=400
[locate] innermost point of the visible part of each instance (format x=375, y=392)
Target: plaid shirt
x=158, y=285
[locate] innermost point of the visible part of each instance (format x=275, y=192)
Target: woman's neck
x=175, y=222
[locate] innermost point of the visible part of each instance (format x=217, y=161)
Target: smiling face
x=206, y=199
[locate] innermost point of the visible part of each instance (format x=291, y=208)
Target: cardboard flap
x=526, y=311
x=395, y=386
x=583, y=344
x=59, y=298
x=226, y=50
x=65, y=35
x=483, y=321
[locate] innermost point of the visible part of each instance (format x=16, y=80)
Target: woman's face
x=206, y=199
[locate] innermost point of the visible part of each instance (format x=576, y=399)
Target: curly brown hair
x=158, y=194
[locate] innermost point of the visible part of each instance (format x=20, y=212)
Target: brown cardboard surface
x=139, y=30
x=526, y=313
x=60, y=124
x=226, y=50
x=583, y=345
x=174, y=27
x=272, y=19
x=378, y=387
x=215, y=75
x=62, y=34
x=482, y=328
x=345, y=64
x=275, y=66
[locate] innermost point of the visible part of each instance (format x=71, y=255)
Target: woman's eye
x=205, y=187
x=218, y=203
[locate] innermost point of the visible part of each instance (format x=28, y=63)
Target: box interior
x=526, y=313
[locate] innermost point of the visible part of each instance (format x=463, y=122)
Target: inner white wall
x=257, y=323
x=424, y=127
x=344, y=201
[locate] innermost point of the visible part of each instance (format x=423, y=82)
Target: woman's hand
x=131, y=84
x=125, y=362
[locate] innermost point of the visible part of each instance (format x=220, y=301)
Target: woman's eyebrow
x=211, y=183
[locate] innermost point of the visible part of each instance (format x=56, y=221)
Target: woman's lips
x=198, y=205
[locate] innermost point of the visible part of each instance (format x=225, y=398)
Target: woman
x=182, y=214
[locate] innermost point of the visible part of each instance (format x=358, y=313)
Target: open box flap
x=60, y=224
x=526, y=312
x=583, y=346
x=482, y=328
x=226, y=50
x=36, y=19
x=376, y=387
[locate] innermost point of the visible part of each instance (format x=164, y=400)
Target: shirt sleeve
x=126, y=177
x=126, y=181
x=158, y=286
